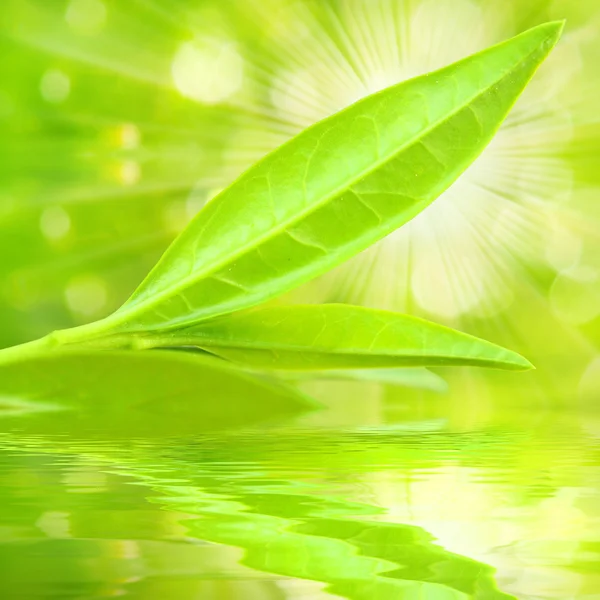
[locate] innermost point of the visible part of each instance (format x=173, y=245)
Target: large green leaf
x=333, y=336
x=335, y=189
x=142, y=392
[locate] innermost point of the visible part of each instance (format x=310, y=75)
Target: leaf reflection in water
x=220, y=492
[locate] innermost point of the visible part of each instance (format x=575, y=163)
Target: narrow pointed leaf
x=335, y=336
x=335, y=189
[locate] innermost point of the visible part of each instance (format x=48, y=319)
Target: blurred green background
x=119, y=120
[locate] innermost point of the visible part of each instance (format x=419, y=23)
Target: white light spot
x=55, y=223
x=86, y=295
x=86, y=16
x=55, y=86
x=209, y=70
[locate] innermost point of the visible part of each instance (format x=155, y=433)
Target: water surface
x=412, y=505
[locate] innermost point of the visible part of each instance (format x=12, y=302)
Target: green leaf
x=333, y=336
x=335, y=189
x=142, y=392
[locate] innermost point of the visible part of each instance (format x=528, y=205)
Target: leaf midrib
x=215, y=267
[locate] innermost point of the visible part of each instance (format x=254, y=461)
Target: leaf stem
x=24, y=351
x=92, y=335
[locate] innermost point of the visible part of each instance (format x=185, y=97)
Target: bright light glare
x=209, y=71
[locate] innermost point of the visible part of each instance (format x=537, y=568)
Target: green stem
x=24, y=351
x=85, y=334
x=93, y=335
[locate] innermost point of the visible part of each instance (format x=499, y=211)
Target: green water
x=378, y=501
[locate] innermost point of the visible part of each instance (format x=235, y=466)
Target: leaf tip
x=520, y=363
x=553, y=30
x=557, y=27
x=545, y=36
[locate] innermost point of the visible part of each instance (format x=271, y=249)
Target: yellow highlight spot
x=129, y=172
x=126, y=136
